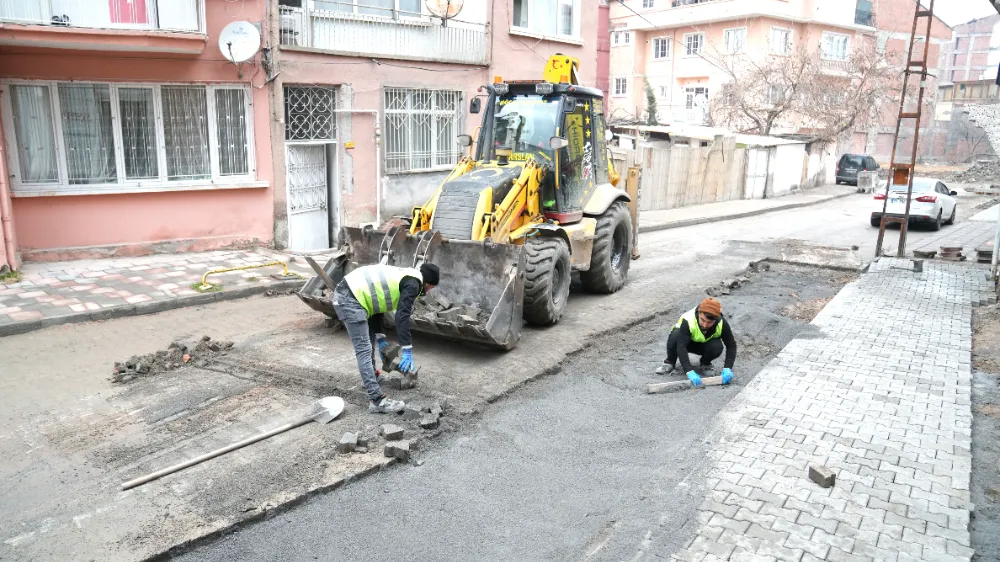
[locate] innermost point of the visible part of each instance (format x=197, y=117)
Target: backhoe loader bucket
x=481, y=294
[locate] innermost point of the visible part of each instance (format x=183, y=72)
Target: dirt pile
x=980, y=172
x=437, y=308
x=175, y=356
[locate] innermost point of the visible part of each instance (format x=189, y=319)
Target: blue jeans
x=355, y=319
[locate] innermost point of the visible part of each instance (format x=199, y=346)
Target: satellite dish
x=239, y=41
x=444, y=9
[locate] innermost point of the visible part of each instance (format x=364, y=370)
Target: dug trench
x=985, y=488
x=581, y=463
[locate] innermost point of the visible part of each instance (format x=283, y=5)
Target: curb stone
x=146, y=308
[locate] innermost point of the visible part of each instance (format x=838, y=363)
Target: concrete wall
x=67, y=226
x=785, y=169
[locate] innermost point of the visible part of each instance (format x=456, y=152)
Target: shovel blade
x=328, y=409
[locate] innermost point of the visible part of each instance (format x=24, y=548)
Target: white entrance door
x=308, y=193
x=757, y=159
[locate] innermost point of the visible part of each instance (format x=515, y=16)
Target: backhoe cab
x=536, y=200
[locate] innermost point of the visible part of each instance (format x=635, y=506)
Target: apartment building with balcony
x=123, y=130
x=669, y=44
x=371, y=94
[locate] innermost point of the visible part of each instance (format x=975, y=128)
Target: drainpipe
x=378, y=158
x=6, y=214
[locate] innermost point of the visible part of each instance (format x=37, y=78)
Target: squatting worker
x=701, y=331
x=360, y=300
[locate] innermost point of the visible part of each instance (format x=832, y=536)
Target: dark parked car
x=851, y=164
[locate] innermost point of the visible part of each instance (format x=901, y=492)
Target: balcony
x=174, y=26
x=397, y=36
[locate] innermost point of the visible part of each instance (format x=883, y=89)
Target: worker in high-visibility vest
x=702, y=331
x=360, y=300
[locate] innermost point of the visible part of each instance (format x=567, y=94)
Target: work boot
x=707, y=370
x=666, y=369
x=385, y=405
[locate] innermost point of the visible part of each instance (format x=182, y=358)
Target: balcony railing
x=864, y=17
x=411, y=38
x=168, y=15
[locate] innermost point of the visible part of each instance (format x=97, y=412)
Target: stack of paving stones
x=881, y=398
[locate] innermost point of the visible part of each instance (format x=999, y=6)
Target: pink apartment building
x=125, y=131
x=660, y=41
x=128, y=132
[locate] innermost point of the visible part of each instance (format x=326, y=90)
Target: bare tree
x=823, y=98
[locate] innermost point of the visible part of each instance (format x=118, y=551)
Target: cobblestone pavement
x=56, y=292
x=969, y=235
x=882, y=398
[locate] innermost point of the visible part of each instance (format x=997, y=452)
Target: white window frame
x=124, y=185
x=687, y=46
x=787, y=47
x=665, y=41
x=727, y=36
x=575, y=37
x=459, y=127
x=664, y=91
x=776, y=94
x=647, y=4
x=614, y=87
x=690, y=92
x=828, y=35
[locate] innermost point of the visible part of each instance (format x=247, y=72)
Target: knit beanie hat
x=711, y=306
x=430, y=273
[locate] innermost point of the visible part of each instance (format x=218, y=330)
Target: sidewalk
x=51, y=293
x=971, y=234
x=651, y=221
x=882, y=398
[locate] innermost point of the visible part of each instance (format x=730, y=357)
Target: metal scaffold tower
x=901, y=173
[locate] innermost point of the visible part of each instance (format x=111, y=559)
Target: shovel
x=323, y=411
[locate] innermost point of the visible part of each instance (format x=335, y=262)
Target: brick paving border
x=53, y=293
x=881, y=397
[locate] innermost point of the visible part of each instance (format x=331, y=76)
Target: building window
x=382, y=8
x=693, y=43
x=619, y=38
x=664, y=91
x=661, y=47
x=781, y=41
x=621, y=86
x=835, y=46
x=695, y=96
x=735, y=40
x=775, y=94
x=548, y=17
x=420, y=129
x=309, y=113
x=85, y=137
x=648, y=3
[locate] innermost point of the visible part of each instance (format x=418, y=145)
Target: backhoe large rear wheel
x=546, y=280
x=612, y=253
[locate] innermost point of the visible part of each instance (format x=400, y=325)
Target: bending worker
x=701, y=331
x=360, y=300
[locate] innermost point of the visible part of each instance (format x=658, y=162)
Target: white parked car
x=933, y=203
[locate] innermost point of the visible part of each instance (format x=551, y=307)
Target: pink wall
x=207, y=218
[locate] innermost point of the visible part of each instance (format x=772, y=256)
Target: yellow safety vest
x=697, y=335
x=377, y=286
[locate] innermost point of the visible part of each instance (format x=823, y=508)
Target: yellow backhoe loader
x=535, y=200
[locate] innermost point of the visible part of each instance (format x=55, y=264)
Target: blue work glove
x=727, y=376
x=694, y=378
x=406, y=362
x=382, y=345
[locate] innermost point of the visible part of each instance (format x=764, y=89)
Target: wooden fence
x=678, y=176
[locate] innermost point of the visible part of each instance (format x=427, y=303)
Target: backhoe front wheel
x=546, y=280
x=612, y=253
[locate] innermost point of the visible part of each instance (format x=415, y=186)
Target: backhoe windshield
x=524, y=124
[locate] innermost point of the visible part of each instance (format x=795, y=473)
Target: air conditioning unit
x=291, y=27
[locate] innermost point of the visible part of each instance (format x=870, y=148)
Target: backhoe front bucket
x=481, y=294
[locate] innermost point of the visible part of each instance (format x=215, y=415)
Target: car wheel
x=954, y=211
x=876, y=222
x=936, y=225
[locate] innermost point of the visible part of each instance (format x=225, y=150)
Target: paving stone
x=392, y=432
x=348, y=443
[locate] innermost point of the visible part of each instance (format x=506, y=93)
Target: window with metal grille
x=309, y=113
x=661, y=48
x=99, y=137
x=421, y=127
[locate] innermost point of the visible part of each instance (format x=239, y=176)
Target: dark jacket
x=684, y=340
x=409, y=290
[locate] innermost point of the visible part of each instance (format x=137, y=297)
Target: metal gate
x=308, y=194
x=757, y=161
